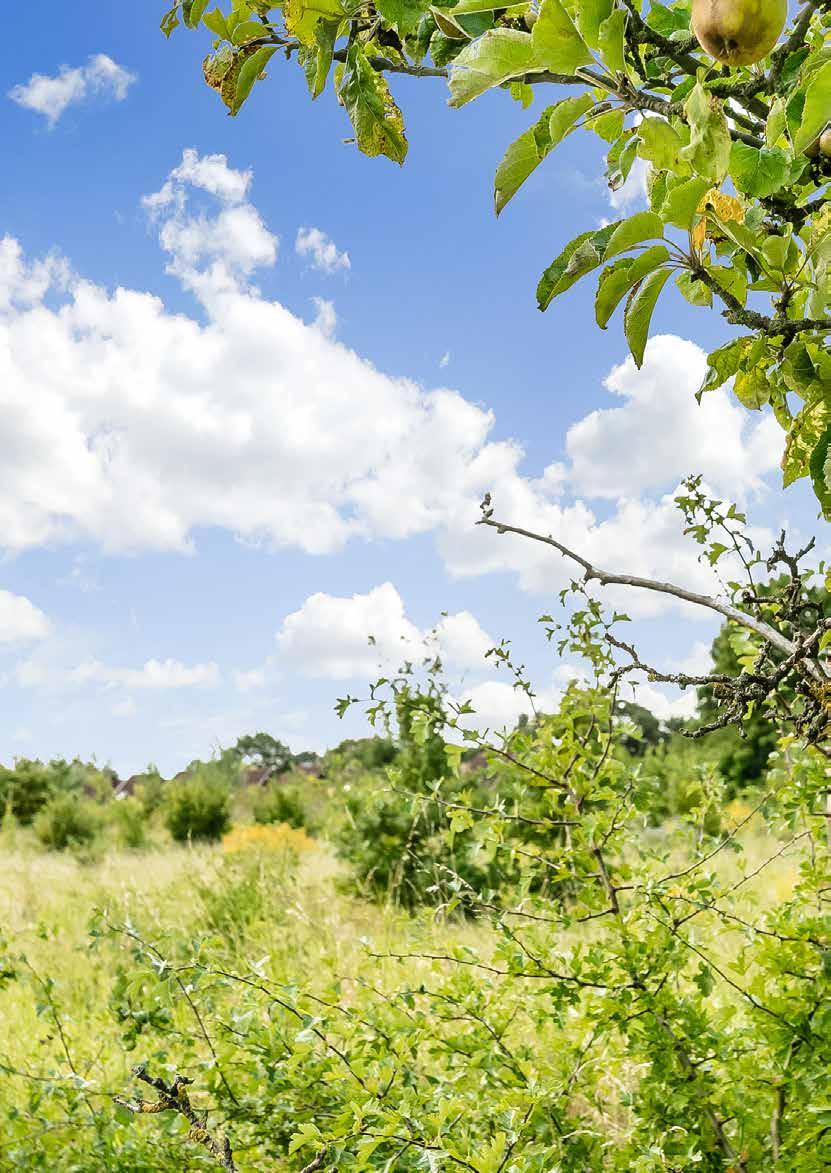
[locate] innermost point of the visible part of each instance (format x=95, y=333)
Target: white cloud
x=52, y=96
x=153, y=675
x=660, y=431
x=20, y=620
x=667, y=701
x=125, y=708
x=633, y=190
x=133, y=427
x=326, y=319
x=249, y=680
x=338, y=638
x=322, y=252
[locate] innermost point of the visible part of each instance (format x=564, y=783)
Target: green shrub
x=197, y=807
x=26, y=788
x=67, y=821
x=149, y=790
x=130, y=822
x=280, y=803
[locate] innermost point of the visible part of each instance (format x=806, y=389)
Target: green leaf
x=558, y=47
x=215, y=21
x=403, y=15
x=681, y=203
x=708, y=151
x=642, y=226
x=775, y=124
x=590, y=16
x=303, y=16
x=250, y=70
x=620, y=158
x=192, y=11
x=379, y=127
x=638, y=312
x=661, y=145
x=528, y=151
x=807, y=431
x=317, y=62
x=496, y=57
x=610, y=42
x=170, y=20
x=723, y=363
x=616, y=280
x=820, y=471
x=731, y=278
x=579, y=257
x=758, y=173
x=248, y=30
x=608, y=126
x=817, y=109
x=694, y=290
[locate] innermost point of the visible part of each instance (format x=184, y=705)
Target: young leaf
x=638, y=312
x=723, y=363
x=708, y=152
x=558, y=46
x=379, y=127
x=683, y=201
x=694, y=290
x=817, y=109
x=528, y=151
x=579, y=257
x=661, y=145
x=215, y=21
x=403, y=15
x=318, y=62
x=642, y=226
x=616, y=280
x=192, y=11
x=302, y=17
x=489, y=61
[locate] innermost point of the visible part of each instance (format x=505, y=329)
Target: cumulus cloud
x=633, y=190
x=342, y=637
x=52, y=96
x=660, y=429
x=133, y=427
x=152, y=675
x=249, y=679
x=20, y=620
x=321, y=251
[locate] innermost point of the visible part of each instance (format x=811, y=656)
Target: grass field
x=67, y=1046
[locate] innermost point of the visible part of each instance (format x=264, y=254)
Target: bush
x=25, y=789
x=280, y=803
x=129, y=820
x=197, y=807
x=66, y=821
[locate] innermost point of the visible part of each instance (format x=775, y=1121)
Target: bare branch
x=173, y=1097
x=605, y=578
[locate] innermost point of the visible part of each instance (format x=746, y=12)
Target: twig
x=173, y=1097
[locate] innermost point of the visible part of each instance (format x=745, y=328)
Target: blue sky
x=212, y=475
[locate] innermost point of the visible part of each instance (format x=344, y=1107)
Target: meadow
x=249, y=967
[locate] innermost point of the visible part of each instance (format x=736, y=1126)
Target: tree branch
x=605, y=578
x=173, y=1097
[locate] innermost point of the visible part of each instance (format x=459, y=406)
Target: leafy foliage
x=737, y=207
x=197, y=806
x=65, y=821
